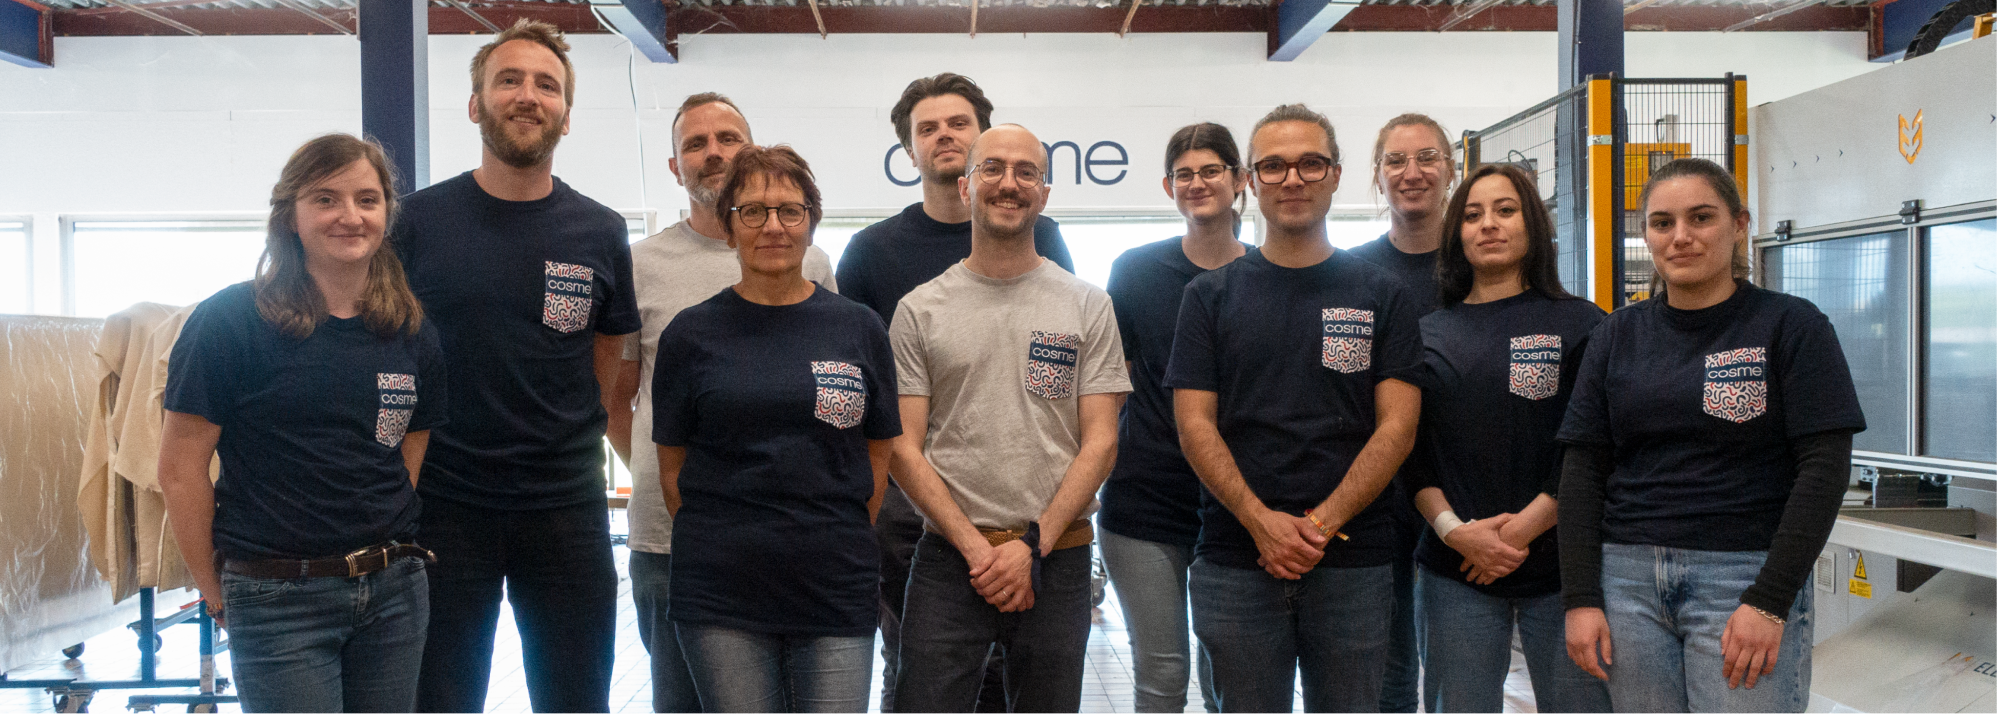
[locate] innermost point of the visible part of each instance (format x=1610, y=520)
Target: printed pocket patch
x=566, y=298
x=396, y=400
x=1534, y=365
x=1052, y=364
x=1347, y=337
x=842, y=396
x=1733, y=384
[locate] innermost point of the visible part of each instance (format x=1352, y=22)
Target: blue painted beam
x=25, y=38
x=1899, y=21
x=395, y=85
x=1301, y=22
x=644, y=24
x=1590, y=40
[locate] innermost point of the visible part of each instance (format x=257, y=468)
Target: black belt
x=353, y=565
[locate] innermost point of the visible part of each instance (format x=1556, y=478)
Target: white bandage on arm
x=1445, y=523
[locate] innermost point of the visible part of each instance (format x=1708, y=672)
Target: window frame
x=27, y=222
x=66, y=237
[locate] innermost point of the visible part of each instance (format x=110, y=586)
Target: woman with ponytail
x=1149, y=505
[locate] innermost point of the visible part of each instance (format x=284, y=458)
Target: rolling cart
x=73, y=694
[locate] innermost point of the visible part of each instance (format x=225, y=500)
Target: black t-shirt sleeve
x=1572, y=361
x=200, y=365
x=673, y=388
x=1399, y=345
x=1813, y=379
x=432, y=407
x=1579, y=519
x=1824, y=461
x=852, y=273
x=884, y=419
x=1192, y=364
x=1049, y=243
x=621, y=308
x=1588, y=420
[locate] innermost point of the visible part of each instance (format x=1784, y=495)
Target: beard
x=982, y=217
x=493, y=133
x=699, y=192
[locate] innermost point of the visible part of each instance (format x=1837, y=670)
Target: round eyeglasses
x=753, y=215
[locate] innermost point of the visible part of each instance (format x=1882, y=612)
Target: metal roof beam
x=156, y=17
x=469, y=12
x=1470, y=9
x=1300, y=23
x=1774, y=14
x=308, y=12
x=644, y=24
x=25, y=35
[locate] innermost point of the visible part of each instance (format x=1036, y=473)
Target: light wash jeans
x=673, y=686
x=1331, y=626
x=1468, y=643
x=1667, y=608
x=328, y=644
x=742, y=671
x=1151, y=579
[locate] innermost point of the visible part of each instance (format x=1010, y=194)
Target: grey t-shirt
x=1003, y=362
x=673, y=270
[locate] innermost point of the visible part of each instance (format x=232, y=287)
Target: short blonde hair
x=540, y=33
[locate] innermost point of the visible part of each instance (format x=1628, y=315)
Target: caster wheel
x=159, y=643
x=73, y=651
x=72, y=702
x=201, y=709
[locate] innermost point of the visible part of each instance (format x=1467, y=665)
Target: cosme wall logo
x=1910, y=136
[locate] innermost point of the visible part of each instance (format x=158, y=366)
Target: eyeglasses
x=1209, y=173
x=1396, y=161
x=753, y=215
x=990, y=173
x=1311, y=167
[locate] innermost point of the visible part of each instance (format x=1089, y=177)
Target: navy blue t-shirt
x=1152, y=493
x=1700, y=407
x=1294, y=355
x=1418, y=271
x=312, y=429
x=519, y=290
x=1497, y=379
x=775, y=405
x=885, y=261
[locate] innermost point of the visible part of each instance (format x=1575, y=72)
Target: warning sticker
x=1861, y=588
x=1860, y=567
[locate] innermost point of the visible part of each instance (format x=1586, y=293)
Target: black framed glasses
x=1311, y=168
x=1397, y=162
x=1209, y=173
x=753, y=215
x=990, y=172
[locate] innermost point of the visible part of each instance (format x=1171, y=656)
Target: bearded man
x=530, y=286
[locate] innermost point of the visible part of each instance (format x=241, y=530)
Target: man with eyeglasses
x=936, y=119
x=676, y=269
x=1292, y=373
x=1010, y=371
x=1413, y=172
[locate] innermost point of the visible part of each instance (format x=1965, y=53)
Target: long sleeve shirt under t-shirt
x=1004, y=363
x=1294, y=355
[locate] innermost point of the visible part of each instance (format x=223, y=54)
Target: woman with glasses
x=317, y=384
x=1413, y=172
x=773, y=406
x=1499, y=360
x=1150, y=507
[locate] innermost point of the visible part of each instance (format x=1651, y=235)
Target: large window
x=111, y=265
x=1959, y=341
x=1860, y=283
x=15, y=286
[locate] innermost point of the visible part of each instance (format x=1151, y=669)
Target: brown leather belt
x=353, y=565
x=1077, y=535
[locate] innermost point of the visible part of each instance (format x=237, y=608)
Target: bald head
x=1012, y=140
x=1006, y=207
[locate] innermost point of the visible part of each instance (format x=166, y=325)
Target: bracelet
x=1446, y=522
x=213, y=608
x=1767, y=615
x=1324, y=531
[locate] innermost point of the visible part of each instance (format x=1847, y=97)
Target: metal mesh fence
x=1657, y=121
x=1549, y=141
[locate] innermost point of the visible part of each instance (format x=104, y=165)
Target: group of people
x=1337, y=468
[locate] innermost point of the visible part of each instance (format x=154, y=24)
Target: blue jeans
x=948, y=629
x=673, y=687
x=1468, y=642
x=1399, y=677
x=1151, y=579
x=328, y=644
x=742, y=671
x=555, y=567
x=1332, y=626
x=1667, y=608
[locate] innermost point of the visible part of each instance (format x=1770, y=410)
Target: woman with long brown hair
x=317, y=383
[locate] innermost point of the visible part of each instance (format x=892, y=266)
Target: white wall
x=201, y=125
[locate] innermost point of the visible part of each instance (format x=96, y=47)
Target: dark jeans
x=327, y=644
x=897, y=529
x=1400, y=673
x=673, y=685
x=1331, y=626
x=948, y=630
x=742, y=671
x=1469, y=635
x=556, y=570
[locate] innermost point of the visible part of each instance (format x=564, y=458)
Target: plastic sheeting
x=50, y=594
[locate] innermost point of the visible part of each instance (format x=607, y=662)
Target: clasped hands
x=1490, y=554
x=1004, y=575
